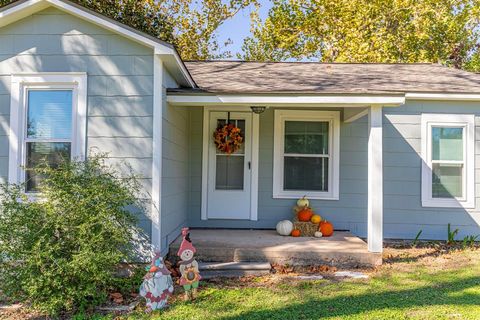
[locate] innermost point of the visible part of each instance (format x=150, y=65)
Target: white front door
x=229, y=176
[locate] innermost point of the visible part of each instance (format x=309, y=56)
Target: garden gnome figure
x=190, y=276
x=157, y=285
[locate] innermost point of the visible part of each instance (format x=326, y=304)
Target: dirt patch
x=400, y=255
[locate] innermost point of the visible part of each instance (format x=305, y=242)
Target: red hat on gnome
x=186, y=243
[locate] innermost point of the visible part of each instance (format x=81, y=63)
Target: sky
x=238, y=28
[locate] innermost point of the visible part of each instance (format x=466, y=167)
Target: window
x=229, y=170
x=48, y=123
x=306, y=154
x=448, y=160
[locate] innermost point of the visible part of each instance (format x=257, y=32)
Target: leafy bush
x=61, y=251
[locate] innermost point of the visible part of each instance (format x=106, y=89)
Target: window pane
x=310, y=174
x=306, y=137
x=39, y=152
x=447, y=180
x=229, y=172
x=49, y=114
x=447, y=143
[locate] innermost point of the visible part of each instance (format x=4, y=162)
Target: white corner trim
x=156, y=193
x=443, y=96
x=467, y=121
x=334, y=153
x=257, y=99
x=254, y=161
x=375, y=179
x=77, y=81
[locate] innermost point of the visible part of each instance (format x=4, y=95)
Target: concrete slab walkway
x=343, y=249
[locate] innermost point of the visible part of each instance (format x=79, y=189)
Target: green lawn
x=415, y=284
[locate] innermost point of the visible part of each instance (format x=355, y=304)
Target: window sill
x=448, y=203
x=309, y=195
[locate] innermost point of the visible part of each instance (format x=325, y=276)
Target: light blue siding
x=120, y=85
x=175, y=177
x=404, y=215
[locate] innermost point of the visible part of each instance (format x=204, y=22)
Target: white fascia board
x=361, y=101
x=443, y=96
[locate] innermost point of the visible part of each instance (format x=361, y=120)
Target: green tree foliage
x=190, y=25
x=195, y=24
x=445, y=31
x=61, y=252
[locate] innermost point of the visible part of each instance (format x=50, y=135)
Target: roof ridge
x=316, y=62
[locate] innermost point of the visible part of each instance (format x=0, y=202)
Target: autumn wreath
x=228, y=138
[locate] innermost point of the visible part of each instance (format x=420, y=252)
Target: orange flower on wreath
x=228, y=138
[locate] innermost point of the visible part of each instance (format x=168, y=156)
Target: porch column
x=156, y=208
x=375, y=179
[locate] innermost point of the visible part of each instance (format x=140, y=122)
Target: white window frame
x=20, y=84
x=466, y=121
x=333, y=117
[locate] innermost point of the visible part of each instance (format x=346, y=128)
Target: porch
x=257, y=185
x=343, y=249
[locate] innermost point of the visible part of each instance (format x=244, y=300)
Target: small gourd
x=318, y=234
x=296, y=233
x=303, y=202
x=316, y=219
x=284, y=227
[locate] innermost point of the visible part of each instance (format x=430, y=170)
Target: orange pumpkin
x=326, y=228
x=296, y=233
x=305, y=215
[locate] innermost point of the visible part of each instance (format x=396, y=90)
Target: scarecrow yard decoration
x=190, y=276
x=157, y=285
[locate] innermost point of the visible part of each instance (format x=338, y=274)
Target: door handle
x=249, y=165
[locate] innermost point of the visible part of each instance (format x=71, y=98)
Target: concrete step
x=342, y=250
x=209, y=274
x=234, y=266
x=233, y=269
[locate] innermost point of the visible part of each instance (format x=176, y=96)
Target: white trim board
x=467, y=122
x=313, y=99
x=156, y=193
x=333, y=117
x=353, y=114
x=278, y=100
x=375, y=180
x=206, y=136
x=443, y=96
x=19, y=84
x=20, y=10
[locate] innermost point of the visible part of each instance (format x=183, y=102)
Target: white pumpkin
x=284, y=227
x=318, y=234
x=303, y=202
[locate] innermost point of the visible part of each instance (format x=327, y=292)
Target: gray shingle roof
x=309, y=77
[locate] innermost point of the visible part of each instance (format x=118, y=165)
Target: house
x=381, y=150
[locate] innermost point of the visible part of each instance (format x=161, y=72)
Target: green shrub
x=60, y=251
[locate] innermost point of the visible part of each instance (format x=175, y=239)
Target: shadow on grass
x=440, y=293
